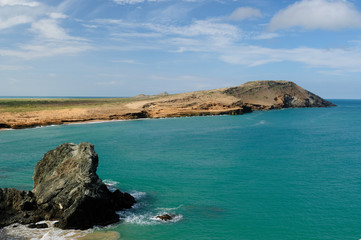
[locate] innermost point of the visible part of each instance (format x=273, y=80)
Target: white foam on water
x=140, y=215
x=262, y=122
x=50, y=233
x=46, y=126
x=149, y=218
x=96, y=122
x=111, y=185
x=169, y=209
x=138, y=195
x=175, y=218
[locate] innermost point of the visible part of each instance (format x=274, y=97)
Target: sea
x=290, y=174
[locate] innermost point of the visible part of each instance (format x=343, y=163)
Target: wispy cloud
x=243, y=13
x=13, y=21
x=229, y=44
x=48, y=37
x=49, y=29
x=128, y=61
x=31, y=51
x=18, y=3
x=347, y=59
x=317, y=14
x=122, y=2
x=14, y=68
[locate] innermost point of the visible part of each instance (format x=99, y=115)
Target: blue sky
x=128, y=47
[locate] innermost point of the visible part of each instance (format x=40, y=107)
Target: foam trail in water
x=23, y=231
x=141, y=216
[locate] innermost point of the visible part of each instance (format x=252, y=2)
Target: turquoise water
x=285, y=174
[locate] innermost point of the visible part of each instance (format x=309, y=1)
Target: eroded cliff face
x=66, y=189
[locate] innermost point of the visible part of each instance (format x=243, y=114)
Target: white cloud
x=122, y=2
x=264, y=36
x=344, y=59
x=200, y=30
x=13, y=21
x=128, y=1
x=14, y=68
x=109, y=83
x=57, y=15
x=32, y=51
x=4, y=3
x=243, y=13
x=224, y=41
x=43, y=22
x=49, y=29
x=317, y=14
x=128, y=61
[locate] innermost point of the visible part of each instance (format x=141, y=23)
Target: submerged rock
x=165, y=217
x=67, y=189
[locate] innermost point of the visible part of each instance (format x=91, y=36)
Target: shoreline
x=246, y=98
x=107, y=121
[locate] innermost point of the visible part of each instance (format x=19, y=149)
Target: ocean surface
x=291, y=174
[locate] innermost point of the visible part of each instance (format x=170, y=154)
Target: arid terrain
x=251, y=96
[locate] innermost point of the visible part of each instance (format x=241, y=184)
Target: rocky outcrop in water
x=67, y=189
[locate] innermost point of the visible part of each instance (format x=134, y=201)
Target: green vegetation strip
x=25, y=105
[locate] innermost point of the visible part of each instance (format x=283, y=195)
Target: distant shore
x=17, y=113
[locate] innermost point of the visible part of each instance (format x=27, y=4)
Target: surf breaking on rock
x=67, y=190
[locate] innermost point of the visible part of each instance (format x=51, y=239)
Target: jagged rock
x=17, y=207
x=165, y=217
x=67, y=189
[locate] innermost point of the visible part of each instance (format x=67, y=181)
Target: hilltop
x=245, y=98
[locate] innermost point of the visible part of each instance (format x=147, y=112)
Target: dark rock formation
x=67, y=189
x=17, y=207
x=165, y=217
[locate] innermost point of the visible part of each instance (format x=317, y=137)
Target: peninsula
x=248, y=97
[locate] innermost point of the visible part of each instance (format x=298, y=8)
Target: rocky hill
x=251, y=96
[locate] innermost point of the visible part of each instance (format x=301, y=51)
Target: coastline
x=246, y=98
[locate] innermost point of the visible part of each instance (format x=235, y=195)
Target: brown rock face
x=276, y=94
x=67, y=189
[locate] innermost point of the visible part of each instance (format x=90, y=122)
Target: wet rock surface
x=165, y=217
x=66, y=189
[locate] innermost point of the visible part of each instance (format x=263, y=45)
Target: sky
x=118, y=48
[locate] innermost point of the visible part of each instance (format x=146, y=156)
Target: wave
x=22, y=231
x=138, y=195
x=141, y=214
x=18, y=231
x=147, y=218
x=111, y=185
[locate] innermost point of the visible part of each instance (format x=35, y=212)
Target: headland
x=245, y=98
